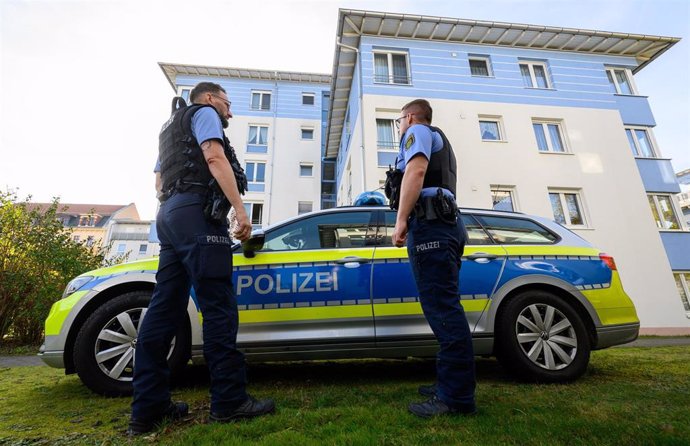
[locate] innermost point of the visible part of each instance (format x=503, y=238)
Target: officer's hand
x=243, y=229
x=400, y=234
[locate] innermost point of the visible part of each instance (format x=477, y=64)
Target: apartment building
x=543, y=120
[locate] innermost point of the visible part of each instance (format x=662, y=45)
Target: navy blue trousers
x=194, y=252
x=435, y=249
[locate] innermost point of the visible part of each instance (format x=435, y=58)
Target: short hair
x=421, y=108
x=204, y=87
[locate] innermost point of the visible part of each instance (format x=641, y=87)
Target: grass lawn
x=629, y=396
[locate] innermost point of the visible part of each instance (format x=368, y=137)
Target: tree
x=37, y=259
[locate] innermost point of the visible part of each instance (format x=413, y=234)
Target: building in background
x=131, y=238
x=543, y=120
x=684, y=196
x=277, y=131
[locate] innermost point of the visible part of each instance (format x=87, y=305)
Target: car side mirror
x=253, y=244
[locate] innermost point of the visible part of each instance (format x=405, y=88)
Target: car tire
x=104, y=347
x=541, y=337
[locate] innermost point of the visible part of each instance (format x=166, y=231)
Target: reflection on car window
x=475, y=234
x=326, y=231
x=515, y=231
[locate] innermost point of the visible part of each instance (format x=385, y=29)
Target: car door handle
x=352, y=259
x=482, y=257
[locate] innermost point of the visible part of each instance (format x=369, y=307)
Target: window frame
x=636, y=144
x=313, y=99
x=381, y=146
x=307, y=129
x=183, y=88
x=481, y=58
x=389, y=60
x=561, y=132
x=611, y=75
x=250, y=212
x=564, y=206
x=146, y=248
x=533, y=77
x=674, y=209
x=499, y=123
x=310, y=166
x=261, y=94
x=255, y=169
x=257, y=148
x=510, y=190
x=685, y=286
x=300, y=203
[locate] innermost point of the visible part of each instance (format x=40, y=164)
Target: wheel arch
x=104, y=295
x=558, y=287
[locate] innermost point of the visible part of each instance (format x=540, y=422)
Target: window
x=323, y=231
x=90, y=240
x=386, y=142
x=515, y=231
x=663, y=211
x=567, y=208
x=121, y=248
x=490, y=128
x=255, y=213
x=549, y=136
x=142, y=249
x=76, y=238
x=184, y=93
x=306, y=170
x=258, y=139
x=256, y=176
x=475, y=233
x=480, y=66
x=87, y=220
x=620, y=80
x=303, y=207
x=261, y=100
x=307, y=98
x=534, y=74
x=640, y=142
x=683, y=285
x=391, y=68
x=502, y=199
x=307, y=133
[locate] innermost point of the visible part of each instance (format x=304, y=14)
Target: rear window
x=516, y=231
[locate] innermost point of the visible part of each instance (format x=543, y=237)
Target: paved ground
x=33, y=360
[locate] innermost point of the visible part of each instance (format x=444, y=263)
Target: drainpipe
x=269, y=206
x=361, y=107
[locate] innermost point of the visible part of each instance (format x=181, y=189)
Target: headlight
x=75, y=284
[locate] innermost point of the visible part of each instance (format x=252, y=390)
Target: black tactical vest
x=180, y=155
x=442, y=168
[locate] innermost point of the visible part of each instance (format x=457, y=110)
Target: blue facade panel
x=657, y=175
x=677, y=245
x=441, y=70
x=635, y=110
x=286, y=97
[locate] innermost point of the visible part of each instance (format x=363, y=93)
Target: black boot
x=434, y=406
x=175, y=411
x=249, y=409
x=427, y=390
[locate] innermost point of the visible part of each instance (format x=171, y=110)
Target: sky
x=83, y=98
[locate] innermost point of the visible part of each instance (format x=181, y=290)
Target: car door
x=397, y=312
x=310, y=284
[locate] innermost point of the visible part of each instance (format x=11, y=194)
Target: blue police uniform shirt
x=420, y=139
x=206, y=125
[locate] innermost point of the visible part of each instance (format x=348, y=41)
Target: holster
x=392, y=186
x=217, y=205
x=439, y=207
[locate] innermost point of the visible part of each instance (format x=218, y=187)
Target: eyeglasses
x=397, y=121
x=222, y=99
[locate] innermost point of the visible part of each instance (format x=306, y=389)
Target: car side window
x=516, y=231
x=475, y=233
x=326, y=231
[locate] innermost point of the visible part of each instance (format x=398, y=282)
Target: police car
x=330, y=284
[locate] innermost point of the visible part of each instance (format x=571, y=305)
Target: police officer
x=428, y=220
x=195, y=251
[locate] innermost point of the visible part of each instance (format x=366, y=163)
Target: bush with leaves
x=38, y=257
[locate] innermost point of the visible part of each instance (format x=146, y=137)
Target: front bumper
x=53, y=358
x=611, y=335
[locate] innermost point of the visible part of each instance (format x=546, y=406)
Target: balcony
x=677, y=245
x=657, y=175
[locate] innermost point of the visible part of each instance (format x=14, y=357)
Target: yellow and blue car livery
x=329, y=284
